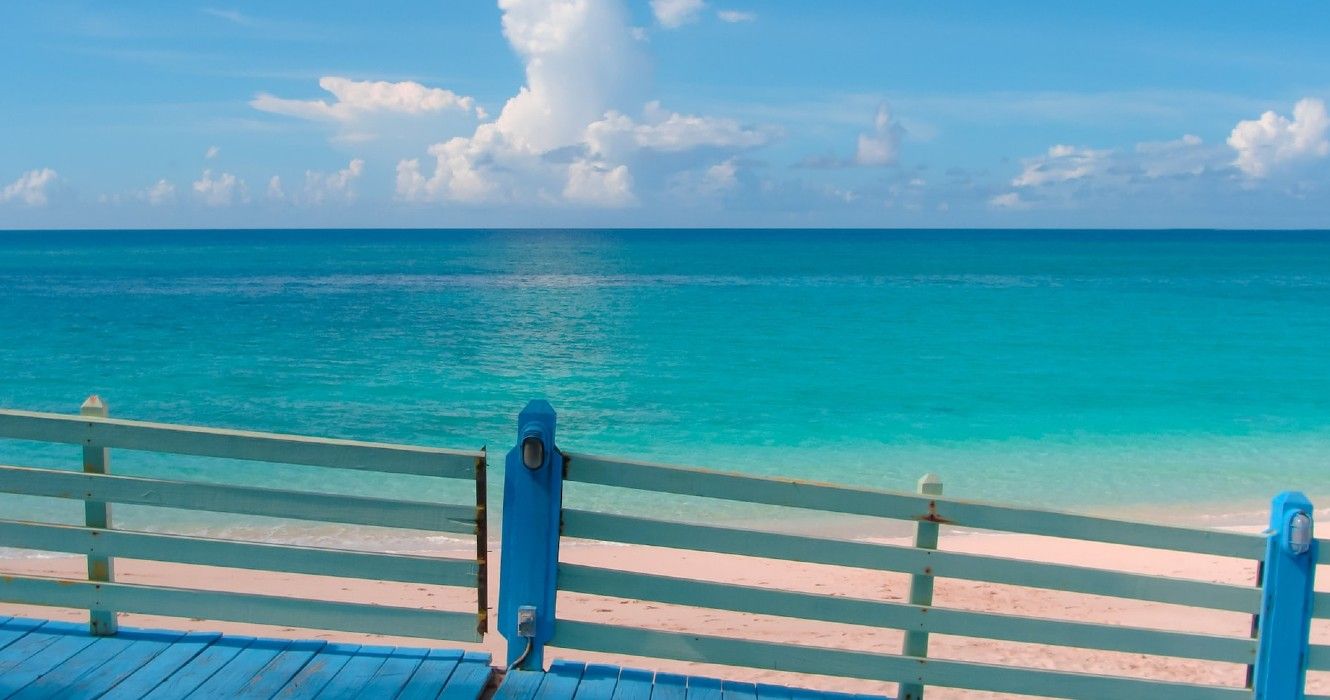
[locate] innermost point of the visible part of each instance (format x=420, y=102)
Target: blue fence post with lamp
x=529, y=561
x=1286, y=601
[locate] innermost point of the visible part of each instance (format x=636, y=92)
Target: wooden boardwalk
x=48, y=659
x=569, y=680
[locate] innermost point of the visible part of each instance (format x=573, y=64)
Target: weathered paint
x=921, y=584
x=97, y=514
x=1282, y=653
x=532, y=499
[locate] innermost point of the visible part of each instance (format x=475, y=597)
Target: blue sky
x=665, y=113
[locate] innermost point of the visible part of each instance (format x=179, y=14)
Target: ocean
x=1181, y=375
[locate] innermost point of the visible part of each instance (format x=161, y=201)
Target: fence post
x=97, y=460
x=921, y=587
x=529, y=560
x=1286, y=600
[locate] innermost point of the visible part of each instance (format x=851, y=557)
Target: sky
x=664, y=113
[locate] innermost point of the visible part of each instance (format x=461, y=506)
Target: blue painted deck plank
x=316, y=674
x=431, y=676
x=356, y=673
x=634, y=684
x=598, y=682
x=75, y=667
x=15, y=628
x=561, y=681
x=701, y=688
x=470, y=678
x=48, y=659
x=123, y=665
x=78, y=669
x=393, y=675
x=769, y=691
x=286, y=664
x=33, y=642
x=187, y=676
x=519, y=685
x=736, y=690
x=240, y=670
x=670, y=686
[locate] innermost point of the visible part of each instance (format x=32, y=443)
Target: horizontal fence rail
x=591, y=636
x=887, y=557
x=237, y=444
x=235, y=554
x=101, y=543
x=852, y=611
x=906, y=506
x=243, y=500
x=241, y=607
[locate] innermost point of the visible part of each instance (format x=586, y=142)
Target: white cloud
x=211, y=152
x=1061, y=164
x=31, y=188
x=617, y=135
x=358, y=98
x=676, y=13
x=1273, y=140
x=224, y=190
x=598, y=185
x=1184, y=157
x=1008, y=200
x=882, y=145
x=721, y=177
x=736, y=16
x=321, y=188
x=275, y=192
x=571, y=131
x=162, y=192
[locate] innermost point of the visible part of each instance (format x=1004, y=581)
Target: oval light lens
x=1299, y=533
x=533, y=452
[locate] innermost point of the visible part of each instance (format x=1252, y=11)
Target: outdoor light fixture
x=533, y=451
x=1299, y=533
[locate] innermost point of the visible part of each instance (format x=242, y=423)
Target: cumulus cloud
x=882, y=145
x=211, y=152
x=162, y=192
x=875, y=148
x=1061, y=164
x=357, y=98
x=736, y=16
x=578, y=130
x=617, y=135
x=321, y=187
x=1273, y=140
x=221, y=191
x=599, y=185
x=31, y=188
x=675, y=13
x=275, y=193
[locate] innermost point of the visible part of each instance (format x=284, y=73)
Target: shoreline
x=858, y=583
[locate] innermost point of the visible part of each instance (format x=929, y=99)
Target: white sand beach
x=797, y=577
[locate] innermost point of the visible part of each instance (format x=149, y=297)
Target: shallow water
x=1178, y=373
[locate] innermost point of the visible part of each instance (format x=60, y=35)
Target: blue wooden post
x=97, y=460
x=529, y=560
x=1286, y=600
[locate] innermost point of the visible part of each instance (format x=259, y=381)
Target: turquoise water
x=1109, y=371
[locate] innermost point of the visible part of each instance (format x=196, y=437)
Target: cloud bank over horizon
x=587, y=132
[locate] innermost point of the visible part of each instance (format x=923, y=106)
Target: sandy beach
x=810, y=578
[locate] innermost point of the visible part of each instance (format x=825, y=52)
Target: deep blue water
x=1105, y=370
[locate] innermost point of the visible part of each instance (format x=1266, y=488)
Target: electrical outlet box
x=526, y=621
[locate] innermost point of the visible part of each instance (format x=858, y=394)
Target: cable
x=530, y=642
